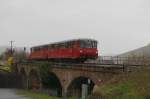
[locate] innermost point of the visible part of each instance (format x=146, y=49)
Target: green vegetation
x=134, y=85
x=5, y=68
x=33, y=95
x=44, y=68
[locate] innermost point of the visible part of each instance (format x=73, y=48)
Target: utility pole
x=11, y=47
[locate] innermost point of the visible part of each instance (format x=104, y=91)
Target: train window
x=94, y=43
x=71, y=44
x=61, y=45
x=41, y=48
x=31, y=49
x=49, y=47
x=88, y=44
x=45, y=47
x=36, y=49
x=74, y=44
x=68, y=44
x=56, y=46
x=52, y=46
x=85, y=44
x=65, y=45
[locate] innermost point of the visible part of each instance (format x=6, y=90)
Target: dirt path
x=10, y=94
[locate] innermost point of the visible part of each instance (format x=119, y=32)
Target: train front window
x=94, y=44
x=88, y=44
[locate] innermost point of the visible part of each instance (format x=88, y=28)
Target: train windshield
x=88, y=44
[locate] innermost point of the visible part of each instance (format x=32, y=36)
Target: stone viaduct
x=68, y=79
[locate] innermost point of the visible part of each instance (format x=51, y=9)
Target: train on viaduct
x=68, y=70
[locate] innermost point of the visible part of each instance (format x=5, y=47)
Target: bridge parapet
x=92, y=67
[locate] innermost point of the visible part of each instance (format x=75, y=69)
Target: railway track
x=104, y=65
x=81, y=66
x=99, y=67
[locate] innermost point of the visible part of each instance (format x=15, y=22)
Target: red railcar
x=78, y=49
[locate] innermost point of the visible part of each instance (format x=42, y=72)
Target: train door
x=75, y=49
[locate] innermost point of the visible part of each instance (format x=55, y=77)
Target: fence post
x=123, y=68
x=117, y=59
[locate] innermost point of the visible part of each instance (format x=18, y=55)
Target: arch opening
x=34, y=80
x=75, y=88
x=52, y=83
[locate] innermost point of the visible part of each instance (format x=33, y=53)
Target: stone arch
x=24, y=80
x=53, y=84
x=34, y=81
x=75, y=86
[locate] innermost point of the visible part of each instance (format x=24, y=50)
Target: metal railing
x=134, y=60
x=104, y=60
x=103, y=64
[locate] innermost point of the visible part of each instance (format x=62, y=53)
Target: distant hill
x=143, y=51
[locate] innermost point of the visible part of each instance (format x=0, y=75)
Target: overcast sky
x=118, y=25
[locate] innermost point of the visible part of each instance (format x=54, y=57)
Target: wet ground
x=10, y=94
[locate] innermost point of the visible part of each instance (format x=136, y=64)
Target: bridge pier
x=64, y=93
x=27, y=83
x=41, y=84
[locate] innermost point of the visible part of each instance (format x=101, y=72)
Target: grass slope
x=135, y=85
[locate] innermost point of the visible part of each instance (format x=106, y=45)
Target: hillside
x=142, y=51
x=135, y=85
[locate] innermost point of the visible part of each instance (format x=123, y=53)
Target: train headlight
x=81, y=51
x=96, y=52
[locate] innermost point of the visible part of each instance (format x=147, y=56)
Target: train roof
x=64, y=42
